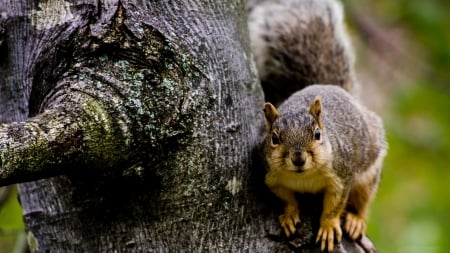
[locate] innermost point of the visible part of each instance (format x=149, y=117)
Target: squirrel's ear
x=271, y=113
x=316, y=110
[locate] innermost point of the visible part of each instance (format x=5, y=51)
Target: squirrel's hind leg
x=357, y=206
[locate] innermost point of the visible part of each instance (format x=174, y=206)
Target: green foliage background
x=412, y=210
x=12, y=236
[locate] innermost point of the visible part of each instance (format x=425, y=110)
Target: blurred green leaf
x=11, y=214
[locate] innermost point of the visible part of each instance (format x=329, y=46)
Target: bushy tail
x=297, y=43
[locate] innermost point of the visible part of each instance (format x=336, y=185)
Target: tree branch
x=109, y=111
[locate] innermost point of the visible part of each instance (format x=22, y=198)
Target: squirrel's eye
x=317, y=134
x=275, y=139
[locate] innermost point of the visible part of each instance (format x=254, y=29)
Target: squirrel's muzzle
x=298, y=157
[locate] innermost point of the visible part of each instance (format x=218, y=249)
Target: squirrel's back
x=297, y=43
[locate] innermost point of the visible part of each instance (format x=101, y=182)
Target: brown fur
x=309, y=125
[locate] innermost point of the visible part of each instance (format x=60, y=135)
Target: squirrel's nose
x=298, y=159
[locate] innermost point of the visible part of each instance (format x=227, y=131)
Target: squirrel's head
x=295, y=140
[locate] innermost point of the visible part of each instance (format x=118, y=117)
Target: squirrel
x=322, y=140
x=296, y=43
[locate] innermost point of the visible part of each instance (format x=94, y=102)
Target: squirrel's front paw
x=355, y=225
x=289, y=219
x=328, y=231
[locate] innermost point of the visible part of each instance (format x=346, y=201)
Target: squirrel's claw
x=289, y=219
x=326, y=235
x=355, y=225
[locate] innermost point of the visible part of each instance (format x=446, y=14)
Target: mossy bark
x=132, y=126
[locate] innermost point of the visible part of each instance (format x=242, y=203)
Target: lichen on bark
x=109, y=109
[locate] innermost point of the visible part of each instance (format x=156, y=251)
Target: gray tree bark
x=132, y=126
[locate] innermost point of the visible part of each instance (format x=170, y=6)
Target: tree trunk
x=132, y=126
